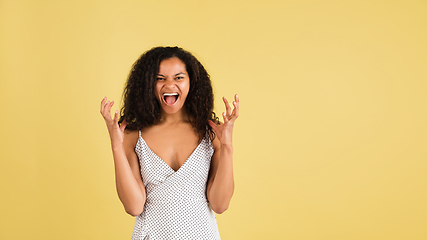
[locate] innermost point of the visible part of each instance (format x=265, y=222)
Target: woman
x=172, y=157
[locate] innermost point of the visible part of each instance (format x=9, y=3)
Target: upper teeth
x=170, y=94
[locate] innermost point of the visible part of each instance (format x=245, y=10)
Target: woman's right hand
x=116, y=132
x=130, y=187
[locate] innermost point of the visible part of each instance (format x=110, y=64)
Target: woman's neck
x=175, y=118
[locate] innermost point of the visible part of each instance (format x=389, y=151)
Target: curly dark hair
x=141, y=108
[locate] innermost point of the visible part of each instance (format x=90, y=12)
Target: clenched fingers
x=236, y=106
x=231, y=115
x=106, y=108
x=102, y=104
x=227, y=106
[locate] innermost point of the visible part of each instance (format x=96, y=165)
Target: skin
x=173, y=140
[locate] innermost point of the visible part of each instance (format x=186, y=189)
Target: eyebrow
x=158, y=74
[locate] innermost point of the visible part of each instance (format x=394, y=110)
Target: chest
x=173, y=146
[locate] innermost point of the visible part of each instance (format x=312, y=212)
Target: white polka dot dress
x=176, y=205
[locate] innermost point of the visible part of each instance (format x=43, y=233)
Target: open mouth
x=170, y=98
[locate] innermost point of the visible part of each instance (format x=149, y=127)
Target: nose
x=170, y=82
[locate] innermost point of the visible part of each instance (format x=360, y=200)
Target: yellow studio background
x=331, y=140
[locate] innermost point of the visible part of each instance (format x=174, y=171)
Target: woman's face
x=172, y=86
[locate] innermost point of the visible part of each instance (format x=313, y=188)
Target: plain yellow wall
x=331, y=140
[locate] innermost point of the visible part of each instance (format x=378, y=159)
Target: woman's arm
x=130, y=187
x=220, y=186
x=221, y=182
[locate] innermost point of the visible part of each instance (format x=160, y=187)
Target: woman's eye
x=160, y=79
x=179, y=78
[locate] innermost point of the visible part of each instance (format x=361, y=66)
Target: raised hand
x=116, y=132
x=224, y=130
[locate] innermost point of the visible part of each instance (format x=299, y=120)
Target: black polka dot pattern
x=176, y=205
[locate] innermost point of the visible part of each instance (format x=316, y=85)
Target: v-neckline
x=155, y=154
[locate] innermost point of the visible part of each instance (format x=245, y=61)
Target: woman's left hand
x=224, y=130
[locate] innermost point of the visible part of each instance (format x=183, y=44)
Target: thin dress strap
x=139, y=133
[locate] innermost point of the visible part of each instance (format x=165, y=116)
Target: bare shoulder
x=130, y=138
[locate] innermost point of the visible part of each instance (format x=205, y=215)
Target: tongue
x=170, y=100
